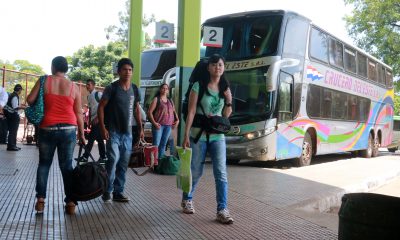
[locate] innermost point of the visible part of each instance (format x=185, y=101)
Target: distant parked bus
x=394, y=146
x=300, y=91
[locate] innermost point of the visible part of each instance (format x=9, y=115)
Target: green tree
x=397, y=105
x=375, y=27
x=26, y=80
x=120, y=33
x=26, y=66
x=96, y=63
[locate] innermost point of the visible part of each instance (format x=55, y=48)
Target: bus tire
x=232, y=161
x=375, y=147
x=367, y=153
x=306, y=152
x=392, y=150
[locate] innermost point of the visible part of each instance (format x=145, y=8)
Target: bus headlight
x=258, y=134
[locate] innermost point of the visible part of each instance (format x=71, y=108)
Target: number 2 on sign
x=213, y=36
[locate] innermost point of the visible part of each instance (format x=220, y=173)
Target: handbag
x=210, y=124
x=144, y=155
x=35, y=112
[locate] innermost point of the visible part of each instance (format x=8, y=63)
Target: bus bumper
x=256, y=149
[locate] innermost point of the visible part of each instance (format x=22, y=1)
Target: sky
x=39, y=30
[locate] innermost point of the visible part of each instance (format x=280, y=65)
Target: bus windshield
x=251, y=101
x=156, y=63
x=250, y=38
x=247, y=46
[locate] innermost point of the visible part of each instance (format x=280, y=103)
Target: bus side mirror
x=274, y=70
x=169, y=76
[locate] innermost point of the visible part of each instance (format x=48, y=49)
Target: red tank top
x=57, y=108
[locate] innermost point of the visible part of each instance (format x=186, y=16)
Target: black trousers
x=95, y=135
x=13, y=124
x=3, y=130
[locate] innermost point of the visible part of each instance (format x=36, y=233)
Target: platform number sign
x=213, y=36
x=164, y=32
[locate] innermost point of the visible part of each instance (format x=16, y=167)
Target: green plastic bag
x=167, y=165
x=184, y=175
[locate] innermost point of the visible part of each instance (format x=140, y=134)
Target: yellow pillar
x=135, y=38
x=188, y=50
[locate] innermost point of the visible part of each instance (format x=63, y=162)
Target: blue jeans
x=160, y=138
x=64, y=140
x=217, y=152
x=119, y=149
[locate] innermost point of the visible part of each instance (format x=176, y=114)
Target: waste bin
x=369, y=216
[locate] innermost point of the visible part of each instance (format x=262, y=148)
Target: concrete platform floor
x=152, y=213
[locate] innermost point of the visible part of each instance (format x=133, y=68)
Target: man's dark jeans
x=95, y=135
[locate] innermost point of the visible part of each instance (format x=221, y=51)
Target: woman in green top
x=216, y=100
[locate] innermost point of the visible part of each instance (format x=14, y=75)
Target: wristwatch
x=228, y=104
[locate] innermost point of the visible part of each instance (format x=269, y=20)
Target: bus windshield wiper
x=239, y=115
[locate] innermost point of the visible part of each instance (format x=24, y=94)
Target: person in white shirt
x=12, y=115
x=94, y=135
x=3, y=98
x=3, y=121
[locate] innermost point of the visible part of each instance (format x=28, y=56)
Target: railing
x=12, y=77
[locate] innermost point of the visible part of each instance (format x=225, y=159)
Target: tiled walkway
x=152, y=213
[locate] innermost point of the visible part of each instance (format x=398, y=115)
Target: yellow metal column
x=135, y=38
x=188, y=51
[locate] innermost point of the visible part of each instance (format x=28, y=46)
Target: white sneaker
x=223, y=216
x=187, y=206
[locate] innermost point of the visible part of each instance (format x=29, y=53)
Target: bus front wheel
x=306, y=152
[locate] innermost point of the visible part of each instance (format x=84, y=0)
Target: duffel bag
x=89, y=180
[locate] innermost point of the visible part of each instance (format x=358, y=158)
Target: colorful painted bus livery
x=299, y=91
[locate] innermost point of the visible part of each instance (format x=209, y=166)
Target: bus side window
x=313, y=104
x=353, y=113
x=327, y=104
x=350, y=60
x=372, y=70
x=339, y=105
x=389, y=79
x=319, y=45
x=295, y=38
x=335, y=53
x=362, y=65
x=364, y=108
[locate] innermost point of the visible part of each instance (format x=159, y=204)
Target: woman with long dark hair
x=163, y=118
x=215, y=100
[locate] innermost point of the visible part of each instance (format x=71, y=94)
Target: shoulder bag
x=35, y=112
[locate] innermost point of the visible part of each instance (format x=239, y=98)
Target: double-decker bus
x=299, y=91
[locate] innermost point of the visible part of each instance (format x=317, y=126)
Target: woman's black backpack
x=89, y=180
x=199, y=73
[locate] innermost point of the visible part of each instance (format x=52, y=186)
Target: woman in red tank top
x=62, y=117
